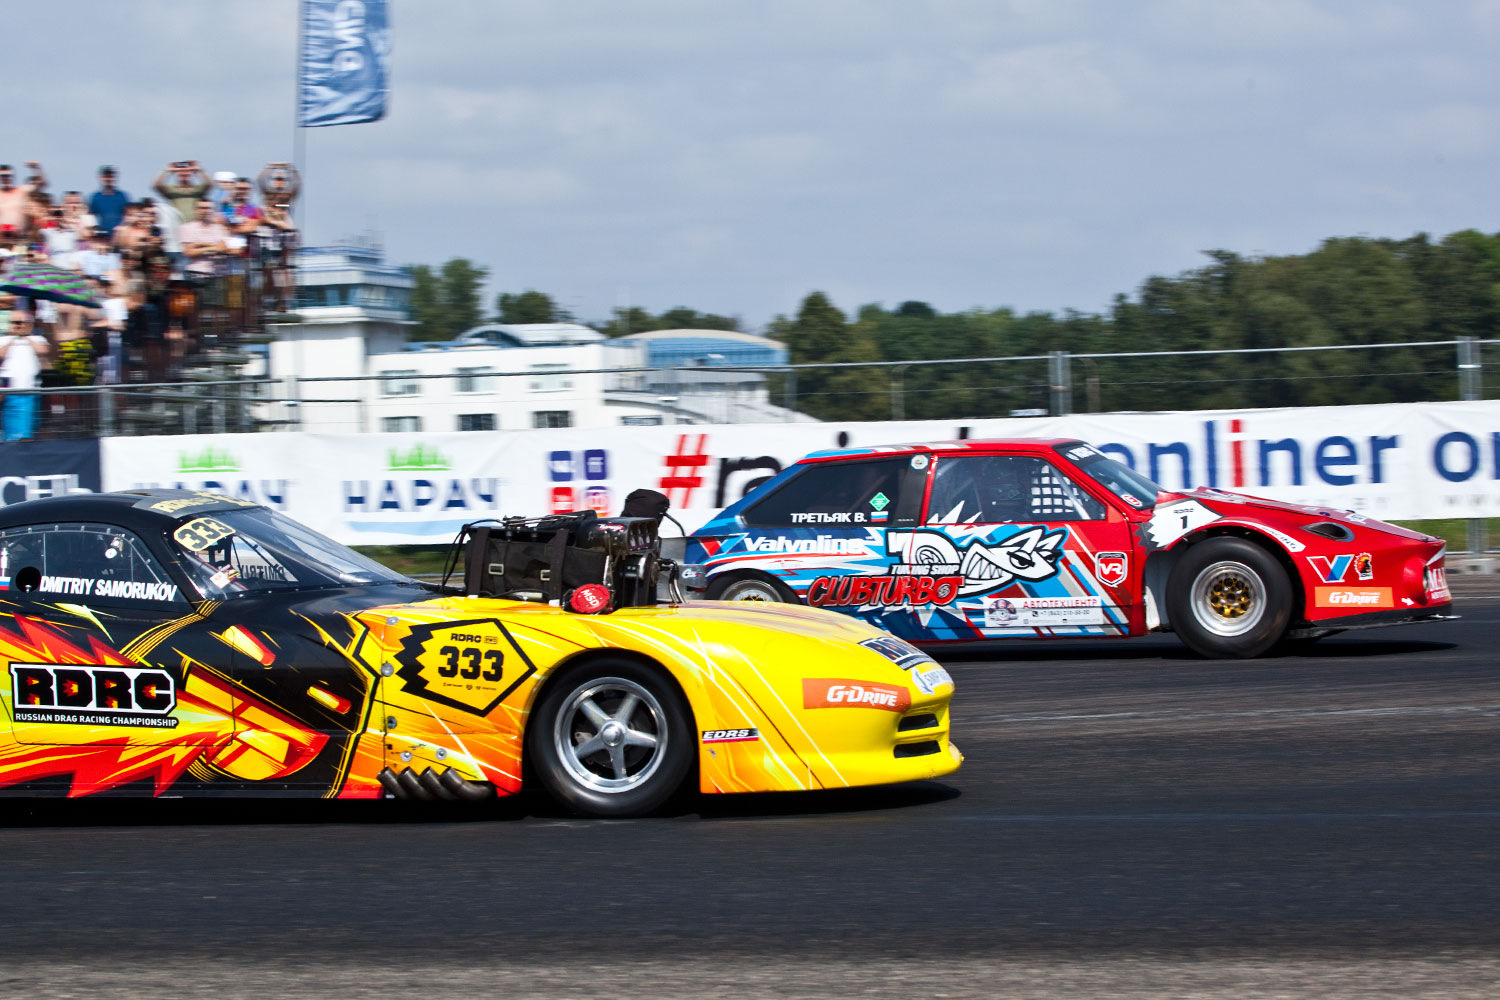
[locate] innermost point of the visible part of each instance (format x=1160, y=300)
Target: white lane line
x=1235, y=817
x=1263, y=713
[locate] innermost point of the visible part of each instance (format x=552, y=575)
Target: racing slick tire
x=611, y=738
x=1229, y=598
x=749, y=587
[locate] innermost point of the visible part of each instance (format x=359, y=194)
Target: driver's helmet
x=1006, y=487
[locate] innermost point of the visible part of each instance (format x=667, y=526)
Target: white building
x=347, y=365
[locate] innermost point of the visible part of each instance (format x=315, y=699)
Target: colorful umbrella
x=43, y=281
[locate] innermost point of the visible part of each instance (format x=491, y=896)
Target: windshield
x=1117, y=477
x=251, y=550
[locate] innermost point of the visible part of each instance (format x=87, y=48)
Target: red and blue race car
x=1023, y=538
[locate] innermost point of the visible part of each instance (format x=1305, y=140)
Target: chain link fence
x=212, y=395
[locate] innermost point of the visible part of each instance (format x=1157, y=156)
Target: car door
x=1023, y=549
x=100, y=646
x=821, y=534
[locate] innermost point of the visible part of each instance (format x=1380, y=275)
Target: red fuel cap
x=589, y=599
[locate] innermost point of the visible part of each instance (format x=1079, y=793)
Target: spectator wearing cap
x=107, y=205
x=21, y=353
x=182, y=183
x=224, y=193
x=63, y=234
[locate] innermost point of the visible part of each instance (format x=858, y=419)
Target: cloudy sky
x=733, y=155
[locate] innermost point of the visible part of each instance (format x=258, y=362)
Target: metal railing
x=205, y=399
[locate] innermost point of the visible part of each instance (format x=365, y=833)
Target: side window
x=83, y=564
x=969, y=489
x=835, y=493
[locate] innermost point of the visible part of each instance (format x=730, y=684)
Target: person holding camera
x=22, y=352
x=183, y=183
x=279, y=184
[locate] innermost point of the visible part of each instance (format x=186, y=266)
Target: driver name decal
x=137, y=590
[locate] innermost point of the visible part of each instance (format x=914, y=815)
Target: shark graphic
x=1028, y=555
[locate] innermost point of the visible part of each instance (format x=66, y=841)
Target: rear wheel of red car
x=749, y=587
x=1228, y=597
x=611, y=738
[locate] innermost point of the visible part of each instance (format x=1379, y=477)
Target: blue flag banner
x=346, y=62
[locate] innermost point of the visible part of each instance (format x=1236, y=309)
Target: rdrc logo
x=92, y=695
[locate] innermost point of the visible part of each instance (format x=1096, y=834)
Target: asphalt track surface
x=1131, y=821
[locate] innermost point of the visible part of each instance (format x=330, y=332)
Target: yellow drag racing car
x=163, y=642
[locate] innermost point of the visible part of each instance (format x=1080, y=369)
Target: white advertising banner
x=1394, y=461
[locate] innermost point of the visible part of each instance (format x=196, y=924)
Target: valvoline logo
x=1335, y=569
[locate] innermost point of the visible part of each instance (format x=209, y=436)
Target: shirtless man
x=132, y=232
x=15, y=200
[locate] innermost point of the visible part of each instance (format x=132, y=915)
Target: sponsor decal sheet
x=1391, y=461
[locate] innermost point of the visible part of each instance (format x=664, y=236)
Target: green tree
x=529, y=306
x=822, y=334
x=459, y=290
x=425, y=309
x=446, y=303
x=683, y=318
x=632, y=319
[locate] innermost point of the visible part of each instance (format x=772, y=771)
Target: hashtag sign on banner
x=684, y=469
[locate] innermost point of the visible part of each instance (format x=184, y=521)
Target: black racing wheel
x=749, y=587
x=1229, y=598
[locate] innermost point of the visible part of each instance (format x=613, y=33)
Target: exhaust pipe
x=431, y=786
x=461, y=788
x=391, y=784
x=434, y=786
x=413, y=787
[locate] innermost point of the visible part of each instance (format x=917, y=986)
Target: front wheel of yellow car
x=611, y=738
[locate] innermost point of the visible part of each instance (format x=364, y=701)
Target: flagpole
x=299, y=133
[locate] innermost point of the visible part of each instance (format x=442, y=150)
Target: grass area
x=1455, y=531
x=413, y=560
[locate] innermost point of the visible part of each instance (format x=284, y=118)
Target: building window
x=400, y=424
x=652, y=421
x=552, y=418
x=393, y=386
x=476, y=421
x=542, y=382
x=476, y=380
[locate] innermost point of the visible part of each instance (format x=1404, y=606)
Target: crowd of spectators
x=169, y=274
